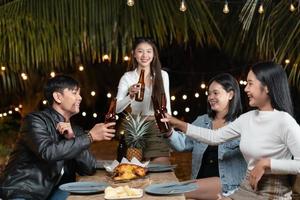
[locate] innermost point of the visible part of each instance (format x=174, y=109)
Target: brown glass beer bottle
x=164, y=127
x=140, y=95
x=111, y=114
x=122, y=147
x=163, y=102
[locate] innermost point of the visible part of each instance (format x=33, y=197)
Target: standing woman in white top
x=270, y=136
x=145, y=56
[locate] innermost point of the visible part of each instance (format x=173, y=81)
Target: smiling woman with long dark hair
x=218, y=169
x=145, y=57
x=270, y=138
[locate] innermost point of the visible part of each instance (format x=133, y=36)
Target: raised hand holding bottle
x=111, y=114
x=139, y=96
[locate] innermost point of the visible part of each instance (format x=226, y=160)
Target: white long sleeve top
x=264, y=134
x=145, y=107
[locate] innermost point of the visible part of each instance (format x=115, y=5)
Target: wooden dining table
x=151, y=178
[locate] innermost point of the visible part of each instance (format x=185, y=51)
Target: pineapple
x=134, y=152
x=136, y=131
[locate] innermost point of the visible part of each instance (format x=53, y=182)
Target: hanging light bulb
x=52, y=74
x=292, y=7
x=261, y=9
x=226, y=8
x=105, y=57
x=130, y=2
x=287, y=61
x=182, y=7
x=126, y=58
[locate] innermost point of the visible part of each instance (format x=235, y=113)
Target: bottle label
x=140, y=95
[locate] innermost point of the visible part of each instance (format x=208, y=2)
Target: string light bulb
x=202, y=85
x=287, y=61
x=226, y=8
x=105, y=57
x=292, y=7
x=130, y=2
x=81, y=68
x=261, y=9
x=24, y=76
x=52, y=74
x=182, y=7
x=126, y=58
x=3, y=68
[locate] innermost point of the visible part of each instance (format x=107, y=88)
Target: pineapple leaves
x=137, y=130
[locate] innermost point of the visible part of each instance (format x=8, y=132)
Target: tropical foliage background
x=40, y=36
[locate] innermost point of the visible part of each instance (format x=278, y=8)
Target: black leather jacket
x=34, y=168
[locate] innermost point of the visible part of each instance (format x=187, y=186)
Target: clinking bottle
x=111, y=114
x=140, y=95
x=159, y=113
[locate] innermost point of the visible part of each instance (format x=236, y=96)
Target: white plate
x=139, y=191
x=100, y=164
x=153, y=167
x=84, y=187
x=170, y=188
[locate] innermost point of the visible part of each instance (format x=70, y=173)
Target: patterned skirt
x=156, y=144
x=270, y=187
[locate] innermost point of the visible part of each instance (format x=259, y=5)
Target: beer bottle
x=163, y=102
x=164, y=127
x=122, y=148
x=140, y=95
x=111, y=114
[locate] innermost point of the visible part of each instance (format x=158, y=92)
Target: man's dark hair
x=58, y=84
x=229, y=83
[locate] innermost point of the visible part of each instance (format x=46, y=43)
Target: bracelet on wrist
x=90, y=137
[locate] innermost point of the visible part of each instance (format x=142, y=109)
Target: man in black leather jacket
x=51, y=149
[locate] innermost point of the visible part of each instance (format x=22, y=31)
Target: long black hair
x=155, y=66
x=229, y=83
x=274, y=77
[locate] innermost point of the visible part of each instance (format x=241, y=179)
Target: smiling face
x=144, y=54
x=218, y=98
x=257, y=93
x=68, y=101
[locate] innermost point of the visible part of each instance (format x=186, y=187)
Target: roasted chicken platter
x=127, y=171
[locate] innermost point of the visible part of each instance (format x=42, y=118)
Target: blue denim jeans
x=59, y=195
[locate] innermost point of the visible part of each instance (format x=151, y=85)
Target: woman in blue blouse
x=218, y=169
